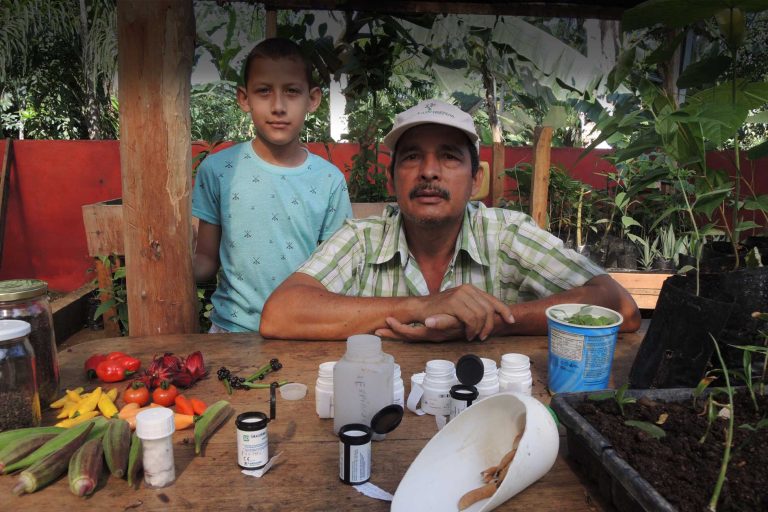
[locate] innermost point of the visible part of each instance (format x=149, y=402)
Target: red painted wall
x=51, y=180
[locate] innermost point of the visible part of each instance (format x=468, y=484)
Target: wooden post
x=271, y=23
x=540, y=182
x=497, y=174
x=155, y=51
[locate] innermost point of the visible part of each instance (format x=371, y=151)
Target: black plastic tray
x=618, y=482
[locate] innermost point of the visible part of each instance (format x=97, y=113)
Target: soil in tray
x=678, y=466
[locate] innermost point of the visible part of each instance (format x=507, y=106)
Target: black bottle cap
x=470, y=369
x=387, y=419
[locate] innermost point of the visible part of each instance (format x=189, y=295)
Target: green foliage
x=619, y=395
x=116, y=295
x=589, y=320
x=647, y=427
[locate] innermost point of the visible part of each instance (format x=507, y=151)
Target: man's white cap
x=432, y=112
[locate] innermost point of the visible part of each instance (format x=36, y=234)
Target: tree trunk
x=497, y=165
x=92, y=108
x=156, y=47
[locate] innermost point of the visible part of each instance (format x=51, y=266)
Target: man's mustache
x=426, y=187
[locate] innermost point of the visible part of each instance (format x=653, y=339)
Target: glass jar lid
x=12, y=329
x=18, y=289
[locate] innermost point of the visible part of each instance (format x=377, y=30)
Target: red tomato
x=165, y=395
x=137, y=393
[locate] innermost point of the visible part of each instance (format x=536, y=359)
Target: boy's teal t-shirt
x=272, y=218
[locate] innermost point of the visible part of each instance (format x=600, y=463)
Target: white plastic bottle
x=490, y=383
x=399, y=387
x=440, y=375
x=362, y=381
x=324, y=390
x=515, y=374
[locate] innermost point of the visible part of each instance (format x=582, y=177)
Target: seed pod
x=13, y=436
x=52, y=466
x=135, y=462
x=17, y=451
x=85, y=468
x=213, y=417
x=117, y=444
x=51, y=446
x=476, y=495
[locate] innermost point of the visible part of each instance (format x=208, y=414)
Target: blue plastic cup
x=580, y=356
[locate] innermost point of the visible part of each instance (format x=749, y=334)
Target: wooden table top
x=305, y=477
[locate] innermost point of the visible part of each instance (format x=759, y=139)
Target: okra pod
x=117, y=444
x=135, y=462
x=52, y=466
x=13, y=436
x=51, y=446
x=19, y=450
x=85, y=468
x=213, y=417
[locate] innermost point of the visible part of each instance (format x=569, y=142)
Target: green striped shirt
x=500, y=251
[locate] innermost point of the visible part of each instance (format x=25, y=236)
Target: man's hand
x=441, y=328
x=471, y=307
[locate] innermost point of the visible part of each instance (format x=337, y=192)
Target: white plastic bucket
x=450, y=464
x=580, y=356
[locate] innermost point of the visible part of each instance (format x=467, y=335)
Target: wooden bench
x=643, y=286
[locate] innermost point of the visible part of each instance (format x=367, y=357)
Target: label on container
x=436, y=403
x=579, y=361
x=354, y=462
x=252, y=448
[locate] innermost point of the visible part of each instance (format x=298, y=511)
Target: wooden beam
x=271, y=23
x=5, y=178
x=604, y=9
x=155, y=52
x=497, y=173
x=540, y=181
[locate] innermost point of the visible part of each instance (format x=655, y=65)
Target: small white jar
x=155, y=428
x=324, y=390
x=440, y=375
x=399, y=397
x=515, y=374
x=489, y=385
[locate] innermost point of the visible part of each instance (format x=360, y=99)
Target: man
x=437, y=267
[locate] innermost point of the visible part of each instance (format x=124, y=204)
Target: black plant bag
x=677, y=347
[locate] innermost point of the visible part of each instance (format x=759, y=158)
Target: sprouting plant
x=648, y=250
x=647, y=427
x=703, y=385
x=115, y=297
x=728, y=432
x=619, y=395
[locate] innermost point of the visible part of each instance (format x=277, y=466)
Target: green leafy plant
x=619, y=395
x=648, y=250
x=116, y=296
x=652, y=430
x=728, y=432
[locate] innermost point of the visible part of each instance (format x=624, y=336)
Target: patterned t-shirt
x=271, y=220
x=502, y=252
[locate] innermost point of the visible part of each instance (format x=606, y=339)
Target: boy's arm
x=302, y=308
x=206, y=261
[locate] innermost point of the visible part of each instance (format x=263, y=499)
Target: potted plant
x=674, y=449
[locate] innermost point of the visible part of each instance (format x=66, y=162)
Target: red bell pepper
x=112, y=371
x=91, y=363
x=116, y=355
x=129, y=363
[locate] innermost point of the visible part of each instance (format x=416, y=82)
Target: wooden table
x=306, y=474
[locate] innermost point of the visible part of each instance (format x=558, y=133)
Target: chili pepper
x=116, y=355
x=183, y=405
x=129, y=363
x=91, y=363
x=198, y=406
x=112, y=371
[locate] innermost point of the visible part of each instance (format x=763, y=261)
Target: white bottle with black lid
x=355, y=444
x=469, y=372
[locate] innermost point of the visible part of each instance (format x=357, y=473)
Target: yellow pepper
x=69, y=409
x=58, y=404
x=112, y=394
x=74, y=394
x=107, y=407
x=79, y=419
x=89, y=404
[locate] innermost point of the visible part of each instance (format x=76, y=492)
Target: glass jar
x=27, y=300
x=19, y=401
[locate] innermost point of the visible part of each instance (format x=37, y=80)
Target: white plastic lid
x=155, y=423
x=513, y=360
x=12, y=329
x=293, y=391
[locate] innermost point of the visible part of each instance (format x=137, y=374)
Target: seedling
x=649, y=428
x=618, y=394
x=728, y=433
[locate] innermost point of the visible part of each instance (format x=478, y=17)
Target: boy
x=264, y=205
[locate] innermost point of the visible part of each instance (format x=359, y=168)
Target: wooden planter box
x=644, y=286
